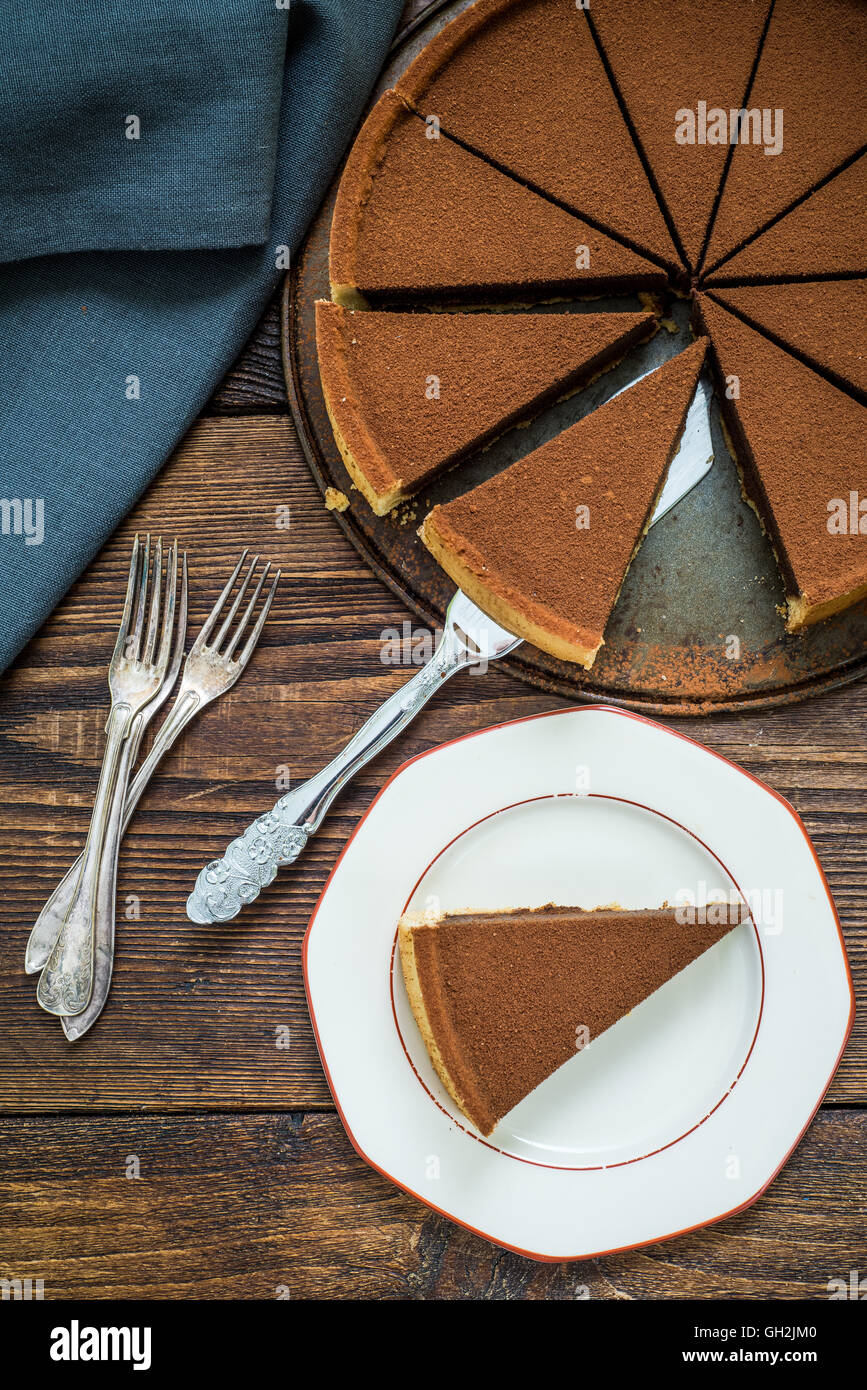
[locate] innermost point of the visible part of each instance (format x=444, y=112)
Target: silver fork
x=135, y=675
x=76, y=1025
x=470, y=638
x=47, y=925
x=208, y=673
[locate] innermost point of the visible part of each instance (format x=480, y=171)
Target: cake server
x=469, y=638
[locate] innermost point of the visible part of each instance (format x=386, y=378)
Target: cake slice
x=824, y=323
x=679, y=56
x=544, y=546
x=421, y=218
x=521, y=82
x=801, y=447
x=813, y=91
x=826, y=234
x=503, y=999
x=410, y=394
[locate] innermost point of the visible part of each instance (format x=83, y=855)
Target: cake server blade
x=694, y=457
x=470, y=638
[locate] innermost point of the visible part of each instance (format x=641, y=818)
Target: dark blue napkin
x=110, y=345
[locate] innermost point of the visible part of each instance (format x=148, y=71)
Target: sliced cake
x=521, y=82
x=810, y=82
x=411, y=394
x=825, y=323
x=503, y=999
x=544, y=546
x=676, y=69
x=422, y=218
x=826, y=234
x=801, y=446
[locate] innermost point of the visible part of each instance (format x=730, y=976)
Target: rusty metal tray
x=697, y=627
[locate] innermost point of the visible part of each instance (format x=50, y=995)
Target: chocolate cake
x=681, y=56
x=521, y=82
x=481, y=180
x=504, y=999
x=812, y=69
x=824, y=323
x=544, y=546
x=425, y=219
x=824, y=235
x=801, y=446
x=410, y=394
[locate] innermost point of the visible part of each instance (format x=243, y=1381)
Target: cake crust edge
x=501, y=607
x=406, y=943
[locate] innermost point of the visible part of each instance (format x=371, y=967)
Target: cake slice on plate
x=521, y=82
x=825, y=323
x=410, y=394
x=801, y=447
x=544, y=546
x=809, y=116
x=824, y=235
x=424, y=219
x=681, y=57
x=503, y=999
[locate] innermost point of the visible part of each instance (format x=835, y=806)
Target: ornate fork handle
x=66, y=982
x=50, y=921
x=75, y=1025
x=276, y=839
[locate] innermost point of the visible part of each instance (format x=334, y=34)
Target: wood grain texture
x=258, y=1186
x=193, y=1015
x=240, y=1206
x=254, y=385
x=234, y=1205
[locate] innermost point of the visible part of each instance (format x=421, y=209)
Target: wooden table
x=178, y=1150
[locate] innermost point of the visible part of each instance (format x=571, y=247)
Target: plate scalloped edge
x=616, y=712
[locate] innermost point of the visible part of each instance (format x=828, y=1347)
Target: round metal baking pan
x=697, y=627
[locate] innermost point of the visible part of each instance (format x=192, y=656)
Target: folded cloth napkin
x=160, y=162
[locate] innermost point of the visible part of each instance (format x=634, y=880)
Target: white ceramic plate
x=684, y=1111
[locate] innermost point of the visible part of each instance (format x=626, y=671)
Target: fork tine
x=156, y=594
x=131, y=587
x=182, y=614
x=135, y=639
x=169, y=608
x=177, y=657
x=230, y=616
x=239, y=631
x=260, y=623
x=215, y=611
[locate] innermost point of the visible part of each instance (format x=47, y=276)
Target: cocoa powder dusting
x=521, y=532
x=506, y=992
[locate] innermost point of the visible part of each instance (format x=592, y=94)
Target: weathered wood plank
x=254, y=384
x=192, y=1016
x=234, y=1207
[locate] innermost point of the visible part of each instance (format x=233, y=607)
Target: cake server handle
x=277, y=838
